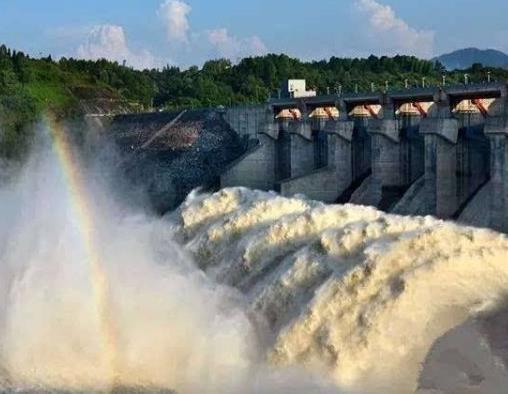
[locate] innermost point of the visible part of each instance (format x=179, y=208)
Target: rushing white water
x=236, y=292
x=356, y=294
x=174, y=328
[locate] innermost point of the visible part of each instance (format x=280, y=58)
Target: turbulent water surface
x=348, y=291
x=240, y=291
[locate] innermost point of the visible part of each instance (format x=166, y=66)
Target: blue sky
x=184, y=32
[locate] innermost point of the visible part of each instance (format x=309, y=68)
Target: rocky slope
x=170, y=154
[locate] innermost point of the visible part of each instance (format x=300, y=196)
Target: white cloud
x=392, y=34
x=186, y=46
x=110, y=42
x=175, y=13
x=232, y=47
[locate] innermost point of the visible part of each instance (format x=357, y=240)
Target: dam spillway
x=243, y=291
x=437, y=151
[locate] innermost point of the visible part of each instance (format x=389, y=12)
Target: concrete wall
x=283, y=155
x=440, y=170
x=361, y=148
x=340, y=153
x=413, y=159
x=499, y=184
x=397, y=159
x=247, y=120
x=496, y=130
x=256, y=169
x=302, y=149
x=456, y=162
x=473, y=157
x=441, y=135
x=319, y=185
x=387, y=167
x=329, y=182
x=451, y=153
x=320, y=142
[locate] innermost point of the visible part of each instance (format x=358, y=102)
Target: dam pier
x=438, y=151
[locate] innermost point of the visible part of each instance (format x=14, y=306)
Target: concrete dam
x=438, y=151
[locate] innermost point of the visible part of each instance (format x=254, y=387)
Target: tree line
x=29, y=86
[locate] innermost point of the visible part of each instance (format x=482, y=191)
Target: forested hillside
x=30, y=86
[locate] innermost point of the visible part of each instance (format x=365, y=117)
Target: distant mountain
x=465, y=58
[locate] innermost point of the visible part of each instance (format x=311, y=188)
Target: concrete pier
x=413, y=149
x=247, y=120
x=362, y=189
x=456, y=159
x=387, y=174
x=361, y=148
x=441, y=135
x=283, y=154
x=340, y=153
x=397, y=152
x=473, y=158
x=302, y=147
x=332, y=173
x=496, y=129
x=258, y=167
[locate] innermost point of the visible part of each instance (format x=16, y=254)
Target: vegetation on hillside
x=30, y=86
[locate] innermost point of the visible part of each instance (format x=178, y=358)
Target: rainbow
x=74, y=180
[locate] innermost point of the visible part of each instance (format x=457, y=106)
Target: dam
x=438, y=151
x=252, y=284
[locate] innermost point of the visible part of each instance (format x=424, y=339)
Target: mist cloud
x=170, y=326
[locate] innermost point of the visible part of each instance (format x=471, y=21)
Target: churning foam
x=348, y=291
x=235, y=292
